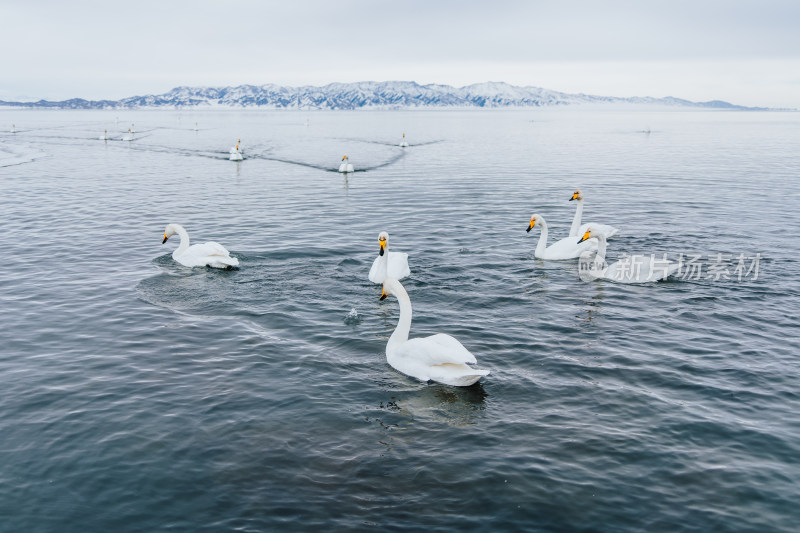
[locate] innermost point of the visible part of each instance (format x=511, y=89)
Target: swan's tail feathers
x=226, y=262
x=611, y=231
x=458, y=375
x=469, y=379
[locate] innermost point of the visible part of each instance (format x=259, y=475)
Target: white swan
x=577, y=229
x=13, y=128
x=207, y=254
x=439, y=357
x=129, y=136
x=566, y=248
x=388, y=264
x=346, y=166
x=104, y=136
x=236, y=152
x=404, y=144
x=631, y=269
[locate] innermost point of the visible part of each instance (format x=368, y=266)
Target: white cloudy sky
x=746, y=52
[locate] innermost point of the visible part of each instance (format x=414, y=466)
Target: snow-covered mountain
x=369, y=94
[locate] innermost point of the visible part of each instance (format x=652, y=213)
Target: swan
x=195, y=126
x=578, y=229
x=104, y=137
x=404, y=144
x=566, y=248
x=207, y=254
x=631, y=269
x=236, y=152
x=129, y=136
x=346, y=166
x=439, y=357
x=13, y=128
x=388, y=264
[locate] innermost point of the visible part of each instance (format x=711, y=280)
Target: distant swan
x=404, y=144
x=631, y=269
x=236, y=152
x=439, y=357
x=104, y=136
x=577, y=229
x=207, y=254
x=346, y=166
x=13, y=128
x=129, y=136
x=566, y=248
x=388, y=264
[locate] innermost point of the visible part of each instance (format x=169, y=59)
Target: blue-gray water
x=138, y=395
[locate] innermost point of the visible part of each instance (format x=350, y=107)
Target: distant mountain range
x=369, y=94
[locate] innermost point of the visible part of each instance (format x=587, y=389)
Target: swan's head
x=169, y=231
x=535, y=219
x=577, y=195
x=383, y=242
x=591, y=233
x=344, y=157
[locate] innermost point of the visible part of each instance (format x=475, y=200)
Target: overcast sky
x=745, y=52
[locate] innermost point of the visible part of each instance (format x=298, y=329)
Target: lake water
x=139, y=395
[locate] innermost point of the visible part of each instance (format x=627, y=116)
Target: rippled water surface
x=139, y=395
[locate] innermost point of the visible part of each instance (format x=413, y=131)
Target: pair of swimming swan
x=236, y=153
x=440, y=357
x=568, y=248
x=592, y=237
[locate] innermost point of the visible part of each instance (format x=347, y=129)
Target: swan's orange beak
x=531, y=225
x=165, y=239
x=574, y=196
x=384, y=294
x=344, y=157
x=585, y=236
x=382, y=245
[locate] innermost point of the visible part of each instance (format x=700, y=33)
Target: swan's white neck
x=403, y=328
x=184, y=241
x=601, y=248
x=576, y=222
x=383, y=262
x=541, y=246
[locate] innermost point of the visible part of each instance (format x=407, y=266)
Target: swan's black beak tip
x=383, y=296
x=381, y=251
x=164, y=239
x=529, y=229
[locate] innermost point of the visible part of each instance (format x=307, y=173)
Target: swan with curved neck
x=346, y=166
x=578, y=229
x=388, y=264
x=210, y=254
x=439, y=358
x=631, y=269
x=565, y=248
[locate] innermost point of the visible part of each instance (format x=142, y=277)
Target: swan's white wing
x=398, y=265
x=605, y=229
x=207, y=253
x=375, y=276
x=436, y=350
x=568, y=248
